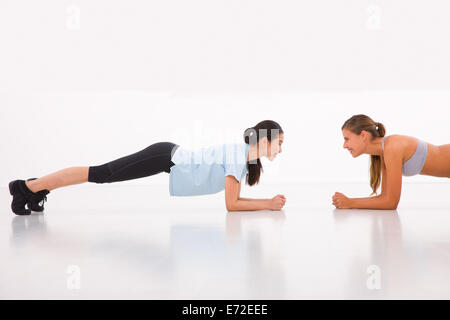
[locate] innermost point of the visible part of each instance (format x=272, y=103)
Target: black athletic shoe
x=23, y=196
x=19, y=199
x=37, y=199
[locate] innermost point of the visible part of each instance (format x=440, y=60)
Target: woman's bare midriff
x=438, y=161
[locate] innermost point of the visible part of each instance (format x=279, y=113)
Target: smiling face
x=274, y=147
x=354, y=143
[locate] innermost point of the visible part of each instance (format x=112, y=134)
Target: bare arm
x=234, y=202
x=246, y=199
x=390, y=188
x=377, y=202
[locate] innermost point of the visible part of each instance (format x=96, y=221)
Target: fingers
x=336, y=200
x=339, y=200
x=281, y=197
x=337, y=195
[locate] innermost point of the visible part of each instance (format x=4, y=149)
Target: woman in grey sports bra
x=414, y=165
x=391, y=158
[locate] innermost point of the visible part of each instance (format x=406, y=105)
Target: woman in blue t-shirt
x=192, y=172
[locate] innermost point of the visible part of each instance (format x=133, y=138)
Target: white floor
x=137, y=242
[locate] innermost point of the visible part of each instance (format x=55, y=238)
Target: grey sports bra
x=415, y=164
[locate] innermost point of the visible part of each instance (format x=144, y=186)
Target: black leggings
x=154, y=159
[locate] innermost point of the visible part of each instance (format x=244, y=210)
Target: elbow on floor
x=390, y=203
x=392, y=206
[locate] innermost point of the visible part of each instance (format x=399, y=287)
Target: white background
x=85, y=82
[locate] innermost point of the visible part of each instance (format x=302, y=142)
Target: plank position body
x=192, y=172
x=391, y=158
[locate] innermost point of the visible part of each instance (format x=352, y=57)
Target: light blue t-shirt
x=203, y=171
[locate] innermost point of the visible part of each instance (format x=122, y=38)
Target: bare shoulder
x=397, y=141
x=397, y=145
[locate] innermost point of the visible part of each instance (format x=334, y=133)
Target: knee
x=99, y=174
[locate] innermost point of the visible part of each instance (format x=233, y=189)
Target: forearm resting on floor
x=250, y=199
x=377, y=202
x=246, y=204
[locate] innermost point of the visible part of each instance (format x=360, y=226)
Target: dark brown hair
x=252, y=136
x=361, y=122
